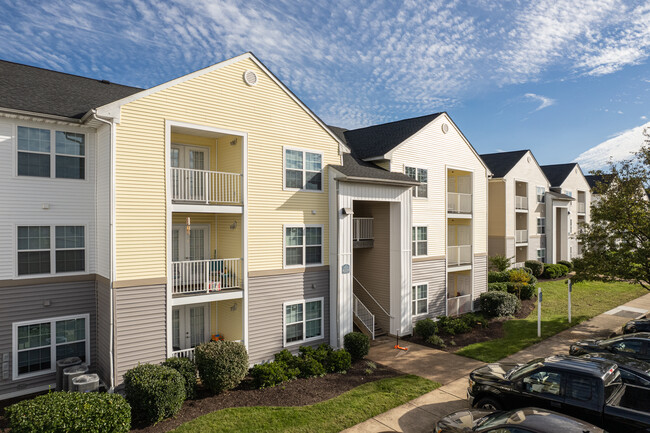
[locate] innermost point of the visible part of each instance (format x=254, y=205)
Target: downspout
x=111, y=197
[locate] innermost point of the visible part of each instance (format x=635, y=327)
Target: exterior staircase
x=363, y=318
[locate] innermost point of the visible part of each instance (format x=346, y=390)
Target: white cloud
x=543, y=100
x=643, y=117
x=620, y=147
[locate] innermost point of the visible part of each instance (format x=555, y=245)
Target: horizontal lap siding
x=480, y=277
x=25, y=303
x=265, y=304
x=432, y=272
x=103, y=341
x=140, y=327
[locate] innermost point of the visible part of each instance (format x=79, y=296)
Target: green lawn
x=588, y=299
x=332, y=415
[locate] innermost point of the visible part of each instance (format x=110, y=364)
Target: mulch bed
x=298, y=392
x=479, y=334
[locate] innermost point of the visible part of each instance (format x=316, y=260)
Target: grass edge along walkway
x=333, y=415
x=588, y=300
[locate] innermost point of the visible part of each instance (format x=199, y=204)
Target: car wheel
x=489, y=403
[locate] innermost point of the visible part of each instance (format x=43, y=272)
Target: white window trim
x=52, y=154
x=304, y=247
x=544, y=256
x=52, y=250
x=415, y=300
x=304, y=321
x=284, y=169
x=418, y=167
x=543, y=195
x=416, y=241
x=52, y=320
x=182, y=147
x=542, y=225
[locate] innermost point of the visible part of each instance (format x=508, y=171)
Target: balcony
x=459, y=255
x=521, y=203
x=205, y=187
x=362, y=232
x=205, y=276
x=459, y=203
x=521, y=236
x=582, y=207
x=459, y=305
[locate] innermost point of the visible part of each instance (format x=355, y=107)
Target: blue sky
x=558, y=77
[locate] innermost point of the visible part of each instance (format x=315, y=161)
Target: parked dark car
x=633, y=371
x=524, y=420
x=638, y=325
x=588, y=389
x=631, y=345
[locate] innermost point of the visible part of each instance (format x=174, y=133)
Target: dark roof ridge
x=393, y=121
x=506, y=152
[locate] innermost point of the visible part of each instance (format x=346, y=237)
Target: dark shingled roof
x=501, y=163
x=356, y=168
x=29, y=88
x=378, y=140
x=557, y=173
x=594, y=179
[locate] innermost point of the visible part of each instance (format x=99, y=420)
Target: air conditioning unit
x=85, y=383
x=62, y=364
x=72, y=372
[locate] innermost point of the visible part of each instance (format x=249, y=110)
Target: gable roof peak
x=500, y=163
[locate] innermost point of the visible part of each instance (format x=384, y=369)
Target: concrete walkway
x=451, y=370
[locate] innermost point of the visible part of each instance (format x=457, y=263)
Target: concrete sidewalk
x=451, y=370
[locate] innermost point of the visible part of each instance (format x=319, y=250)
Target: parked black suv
x=631, y=345
x=633, y=371
x=588, y=389
x=638, y=325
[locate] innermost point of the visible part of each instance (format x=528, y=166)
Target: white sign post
x=570, y=287
x=539, y=312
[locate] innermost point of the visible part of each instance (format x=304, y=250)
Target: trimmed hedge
x=155, y=392
x=339, y=361
x=499, y=304
x=272, y=374
x=357, y=344
x=187, y=369
x=425, y=328
x=555, y=271
x=497, y=287
x=528, y=291
x=535, y=266
x=70, y=412
x=498, y=277
x=221, y=364
x=566, y=263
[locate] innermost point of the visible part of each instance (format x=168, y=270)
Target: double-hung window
x=421, y=175
x=541, y=255
x=541, y=226
x=37, y=345
x=419, y=241
x=541, y=191
x=303, y=245
x=36, y=150
x=419, y=299
x=303, y=321
x=35, y=254
x=303, y=170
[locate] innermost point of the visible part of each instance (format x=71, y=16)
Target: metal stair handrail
x=372, y=297
x=364, y=314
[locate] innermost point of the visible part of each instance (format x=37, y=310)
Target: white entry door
x=190, y=325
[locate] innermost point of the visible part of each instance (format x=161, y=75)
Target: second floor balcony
x=459, y=256
x=521, y=236
x=521, y=203
x=459, y=203
x=582, y=207
x=205, y=187
x=205, y=276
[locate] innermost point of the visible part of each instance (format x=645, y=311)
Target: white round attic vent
x=528, y=159
x=445, y=128
x=250, y=77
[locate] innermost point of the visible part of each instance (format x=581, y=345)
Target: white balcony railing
x=185, y=353
x=362, y=229
x=204, y=186
x=459, y=305
x=196, y=276
x=581, y=207
x=458, y=202
x=364, y=315
x=459, y=255
x=521, y=203
x=521, y=236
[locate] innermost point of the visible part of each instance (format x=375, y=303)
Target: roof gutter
x=31, y=114
x=374, y=180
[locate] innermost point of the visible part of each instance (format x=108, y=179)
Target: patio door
x=191, y=183
x=195, y=246
x=190, y=325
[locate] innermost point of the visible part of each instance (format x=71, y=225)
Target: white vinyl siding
x=419, y=299
x=303, y=245
x=419, y=239
x=303, y=321
x=303, y=170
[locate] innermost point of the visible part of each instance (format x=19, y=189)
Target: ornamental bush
x=527, y=292
x=499, y=304
x=338, y=361
x=500, y=262
x=187, y=369
x=221, y=364
x=309, y=367
x=272, y=374
x=497, y=287
x=454, y=325
x=71, y=412
x=155, y=392
x=535, y=266
x=357, y=345
x=498, y=277
x=566, y=263
x=555, y=271
x=425, y=328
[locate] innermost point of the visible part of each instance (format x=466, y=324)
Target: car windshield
x=493, y=419
x=522, y=370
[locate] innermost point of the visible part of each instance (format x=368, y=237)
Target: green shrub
x=222, y=364
x=563, y=269
x=454, y=325
x=70, y=412
x=532, y=281
x=272, y=374
x=437, y=340
x=500, y=262
x=187, y=369
x=566, y=263
x=497, y=287
x=338, y=361
x=528, y=270
x=535, y=266
x=425, y=328
x=498, y=304
x=322, y=353
x=498, y=277
x=155, y=392
x=286, y=357
x=527, y=292
x=357, y=345
x=309, y=367
x=555, y=271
